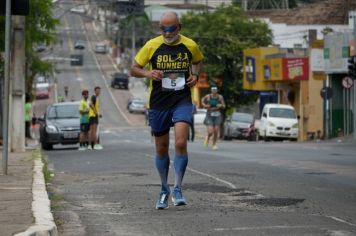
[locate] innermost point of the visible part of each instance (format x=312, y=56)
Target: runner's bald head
x=169, y=18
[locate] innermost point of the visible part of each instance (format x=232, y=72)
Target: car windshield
x=63, y=112
x=138, y=102
x=242, y=117
x=282, y=113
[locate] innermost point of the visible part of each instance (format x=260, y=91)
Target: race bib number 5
x=173, y=81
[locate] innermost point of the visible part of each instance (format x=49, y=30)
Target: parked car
x=199, y=117
x=60, y=125
x=78, y=9
x=278, y=121
x=240, y=126
x=100, y=48
x=42, y=90
x=130, y=100
x=137, y=106
x=120, y=80
x=79, y=45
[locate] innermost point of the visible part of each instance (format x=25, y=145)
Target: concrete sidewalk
x=24, y=203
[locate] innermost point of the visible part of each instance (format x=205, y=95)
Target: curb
x=41, y=206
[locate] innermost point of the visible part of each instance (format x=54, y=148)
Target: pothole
x=273, y=202
x=318, y=173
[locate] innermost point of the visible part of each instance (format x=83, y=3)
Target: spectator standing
x=84, y=121
x=94, y=115
x=170, y=100
x=28, y=116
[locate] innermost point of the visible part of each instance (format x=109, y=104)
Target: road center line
x=104, y=80
x=266, y=227
x=206, y=175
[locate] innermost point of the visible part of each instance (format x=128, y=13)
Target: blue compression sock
x=162, y=165
x=180, y=164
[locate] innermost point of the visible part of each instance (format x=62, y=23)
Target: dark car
x=120, y=80
x=60, y=125
x=240, y=126
x=79, y=45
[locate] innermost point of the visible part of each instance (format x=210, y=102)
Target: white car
x=100, y=48
x=199, y=116
x=278, y=121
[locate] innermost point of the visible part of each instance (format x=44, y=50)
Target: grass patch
x=48, y=175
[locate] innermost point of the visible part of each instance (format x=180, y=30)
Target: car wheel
x=265, y=138
x=227, y=135
x=252, y=137
x=47, y=146
x=258, y=137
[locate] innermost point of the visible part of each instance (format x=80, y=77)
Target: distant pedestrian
x=170, y=100
x=84, y=121
x=94, y=115
x=192, y=127
x=214, y=103
x=66, y=91
x=28, y=116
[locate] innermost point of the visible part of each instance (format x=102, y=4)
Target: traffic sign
x=326, y=92
x=347, y=82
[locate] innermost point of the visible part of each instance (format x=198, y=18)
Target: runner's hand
x=192, y=80
x=156, y=75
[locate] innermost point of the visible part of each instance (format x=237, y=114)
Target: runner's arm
x=139, y=71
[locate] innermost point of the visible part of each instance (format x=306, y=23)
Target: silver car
x=240, y=126
x=137, y=106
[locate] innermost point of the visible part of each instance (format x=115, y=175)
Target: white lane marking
x=265, y=227
x=231, y=185
x=339, y=220
x=213, y=177
x=107, y=86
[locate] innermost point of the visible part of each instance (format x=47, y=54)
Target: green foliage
x=143, y=30
x=39, y=29
x=222, y=36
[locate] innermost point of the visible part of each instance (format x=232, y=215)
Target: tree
x=222, y=36
x=40, y=29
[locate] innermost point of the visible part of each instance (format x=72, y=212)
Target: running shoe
x=206, y=141
x=214, y=147
x=177, y=198
x=162, y=202
x=89, y=147
x=81, y=148
x=98, y=147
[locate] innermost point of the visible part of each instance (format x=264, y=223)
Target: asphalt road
x=244, y=188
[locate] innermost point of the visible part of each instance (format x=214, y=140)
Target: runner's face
x=170, y=33
x=97, y=92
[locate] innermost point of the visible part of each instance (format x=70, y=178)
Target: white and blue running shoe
x=177, y=197
x=162, y=202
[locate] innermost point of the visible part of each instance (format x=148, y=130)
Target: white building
x=209, y=3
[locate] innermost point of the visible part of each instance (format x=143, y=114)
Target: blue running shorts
x=162, y=120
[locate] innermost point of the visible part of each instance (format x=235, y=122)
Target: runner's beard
x=170, y=40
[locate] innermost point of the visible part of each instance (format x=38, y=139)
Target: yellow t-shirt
x=175, y=61
x=94, y=106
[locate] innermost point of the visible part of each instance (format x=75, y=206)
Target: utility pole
x=5, y=127
x=354, y=93
x=18, y=86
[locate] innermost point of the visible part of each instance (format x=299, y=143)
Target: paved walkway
x=24, y=203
